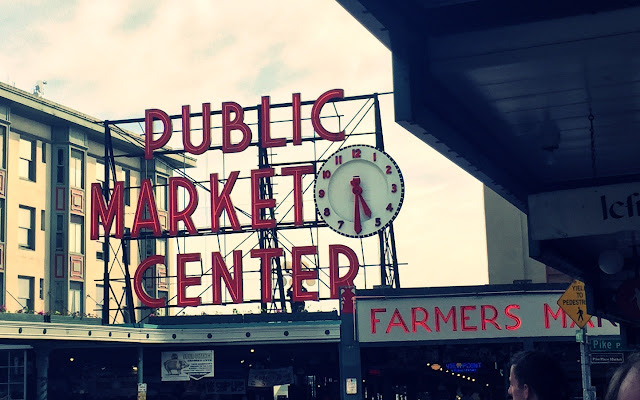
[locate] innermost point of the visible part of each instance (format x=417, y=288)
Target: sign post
x=574, y=303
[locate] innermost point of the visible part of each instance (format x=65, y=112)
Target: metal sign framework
x=267, y=238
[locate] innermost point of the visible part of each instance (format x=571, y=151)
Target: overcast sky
x=114, y=59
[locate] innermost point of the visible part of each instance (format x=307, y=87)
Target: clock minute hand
x=357, y=191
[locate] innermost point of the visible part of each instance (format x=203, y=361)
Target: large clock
x=359, y=191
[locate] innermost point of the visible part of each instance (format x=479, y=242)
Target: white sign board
x=585, y=211
x=468, y=317
x=186, y=365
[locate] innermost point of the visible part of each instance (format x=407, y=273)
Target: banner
x=186, y=365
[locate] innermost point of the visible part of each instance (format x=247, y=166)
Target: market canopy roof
x=529, y=97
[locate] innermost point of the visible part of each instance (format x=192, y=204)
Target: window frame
x=74, y=171
x=30, y=162
x=31, y=229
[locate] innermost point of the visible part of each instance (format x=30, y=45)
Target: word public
x=146, y=215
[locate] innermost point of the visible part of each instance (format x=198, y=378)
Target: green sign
x=598, y=344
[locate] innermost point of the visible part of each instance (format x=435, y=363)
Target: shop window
x=3, y=141
x=25, y=292
x=75, y=298
x=161, y=192
x=27, y=165
x=13, y=374
x=26, y=223
x=76, y=234
x=76, y=169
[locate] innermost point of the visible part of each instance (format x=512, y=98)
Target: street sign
x=607, y=358
x=598, y=344
x=574, y=302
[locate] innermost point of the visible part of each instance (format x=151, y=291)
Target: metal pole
x=105, y=244
x=585, y=363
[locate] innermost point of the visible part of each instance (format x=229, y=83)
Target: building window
x=76, y=234
x=26, y=223
x=25, y=292
x=3, y=141
x=2, y=217
x=126, y=177
x=161, y=193
x=13, y=374
x=99, y=299
x=75, y=297
x=76, y=169
x=27, y=165
x=100, y=173
x=41, y=289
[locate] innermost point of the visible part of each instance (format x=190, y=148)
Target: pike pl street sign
x=574, y=303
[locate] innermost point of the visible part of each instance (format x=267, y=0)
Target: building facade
x=49, y=157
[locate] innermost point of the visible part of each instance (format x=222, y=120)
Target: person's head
x=536, y=376
x=625, y=383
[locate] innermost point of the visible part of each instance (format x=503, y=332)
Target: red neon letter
x=184, y=215
x=115, y=210
x=297, y=173
x=265, y=124
x=297, y=120
x=206, y=130
x=265, y=267
x=184, y=281
x=491, y=320
x=335, y=282
x=375, y=320
x=422, y=322
x=149, y=144
x=450, y=316
x=548, y=312
x=223, y=202
x=298, y=275
x=464, y=318
x=146, y=200
x=315, y=115
x=257, y=203
x=138, y=287
x=396, y=320
x=234, y=285
x=237, y=124
x=515, y=318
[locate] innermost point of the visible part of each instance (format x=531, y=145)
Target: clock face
x=359, y=191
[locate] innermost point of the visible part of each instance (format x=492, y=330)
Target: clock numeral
x=388, y=169
x=321, y=193
x=375, y=156
x=340, y=223
x=378, y=222
x=394, y=188
x=326, y=174
x=327, y=212
x=355, y=153
x=338, y=160
x=389, y=207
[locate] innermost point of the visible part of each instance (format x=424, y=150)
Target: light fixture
x=611, y=261
x=134, y=368
x=435, y=367
x=71, y=359
x=252, y=350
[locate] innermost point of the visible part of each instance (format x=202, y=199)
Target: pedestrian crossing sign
x=574, y=303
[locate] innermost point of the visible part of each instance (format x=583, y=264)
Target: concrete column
x=42, y=372
x=140, y=365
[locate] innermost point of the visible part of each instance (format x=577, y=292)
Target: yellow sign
x=574, y=303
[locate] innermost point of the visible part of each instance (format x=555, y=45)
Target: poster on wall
x=186, y=365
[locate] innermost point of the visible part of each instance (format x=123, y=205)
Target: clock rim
x=400, y=202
